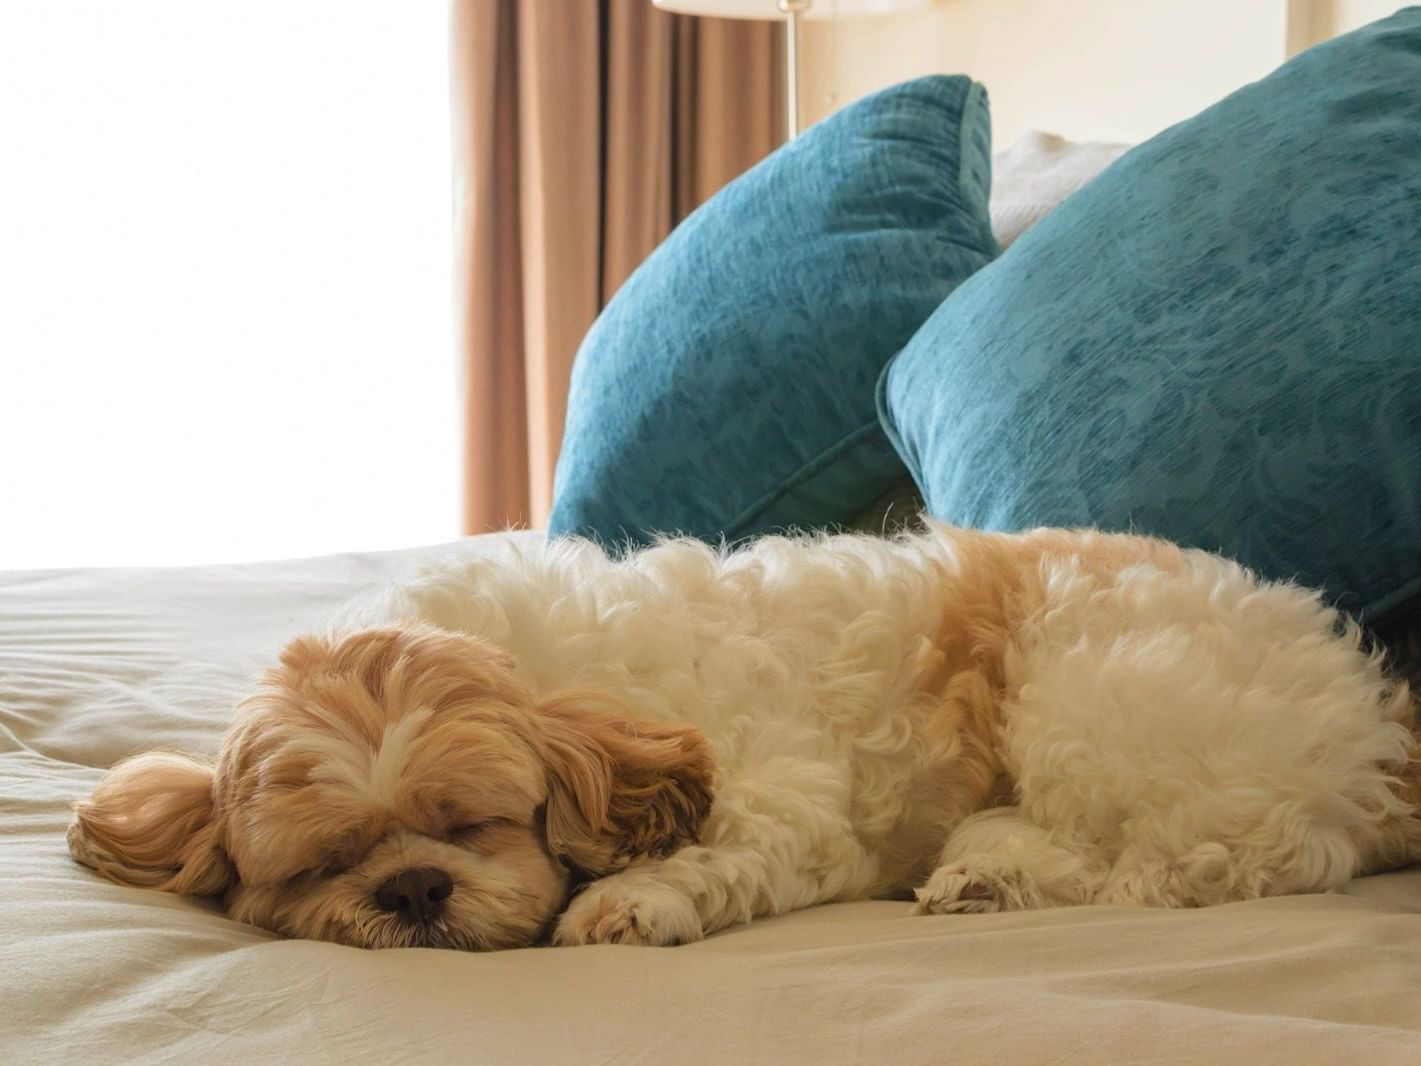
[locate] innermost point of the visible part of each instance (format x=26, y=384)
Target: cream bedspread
x=97, y=664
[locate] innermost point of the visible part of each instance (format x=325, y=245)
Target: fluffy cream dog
x=649, y=750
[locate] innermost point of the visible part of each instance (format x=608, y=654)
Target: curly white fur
x=1168, y=730
x=979, y=721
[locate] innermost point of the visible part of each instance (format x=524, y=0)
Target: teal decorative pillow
x=1218, y=340
x=727, y=389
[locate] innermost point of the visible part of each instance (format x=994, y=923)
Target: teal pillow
x=727, y=389
x=1217, y=341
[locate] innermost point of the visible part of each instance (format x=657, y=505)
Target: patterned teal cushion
x=727, y=389
x=1218, y=340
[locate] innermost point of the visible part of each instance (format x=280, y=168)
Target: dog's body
x=984, y=721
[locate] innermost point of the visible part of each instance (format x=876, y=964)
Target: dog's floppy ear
x=621, y=788
x=150, y=823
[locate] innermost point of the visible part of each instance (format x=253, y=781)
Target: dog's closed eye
x=345, y=852
x=469, y=830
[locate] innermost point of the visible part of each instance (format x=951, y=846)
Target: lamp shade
x=770, y=9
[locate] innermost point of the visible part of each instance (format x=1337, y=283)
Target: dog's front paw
x=962, y=888
x=609, y=912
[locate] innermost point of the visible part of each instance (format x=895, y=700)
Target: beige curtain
x=584, y=130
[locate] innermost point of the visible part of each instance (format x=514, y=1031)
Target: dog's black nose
x=415, y=895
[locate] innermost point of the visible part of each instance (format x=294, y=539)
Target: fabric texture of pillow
x=1217, y=341
x=727, y=389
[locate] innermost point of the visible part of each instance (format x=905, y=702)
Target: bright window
x=224, y=280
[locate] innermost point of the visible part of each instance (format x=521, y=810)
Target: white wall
x=1089, y=69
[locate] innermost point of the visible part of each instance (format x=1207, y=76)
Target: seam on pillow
x=1379, y=607
x=973, y=105
x=889, y=425
x=798, y=477
x=970, y=105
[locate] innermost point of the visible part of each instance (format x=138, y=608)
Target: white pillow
x=1033, y=176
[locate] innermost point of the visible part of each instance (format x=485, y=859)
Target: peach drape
x=583, y=131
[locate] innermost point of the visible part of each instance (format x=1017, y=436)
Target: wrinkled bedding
x=97, y=664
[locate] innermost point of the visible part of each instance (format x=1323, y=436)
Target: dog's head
x=400, y=787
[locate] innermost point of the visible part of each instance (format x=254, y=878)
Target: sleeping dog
x=562, y=746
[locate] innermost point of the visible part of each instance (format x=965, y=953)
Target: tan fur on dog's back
x=996, y=583
x=992, y=583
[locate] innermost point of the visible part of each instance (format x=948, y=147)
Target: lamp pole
x=792, y=10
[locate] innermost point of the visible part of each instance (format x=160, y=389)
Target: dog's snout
x=416, y=895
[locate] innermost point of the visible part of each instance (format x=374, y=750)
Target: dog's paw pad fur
x=657, y=917
x=968, y=889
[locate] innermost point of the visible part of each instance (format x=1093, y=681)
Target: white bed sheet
x=97, y=664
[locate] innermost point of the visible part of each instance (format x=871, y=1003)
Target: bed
x=97, y=664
